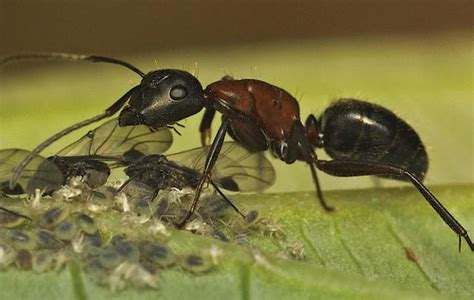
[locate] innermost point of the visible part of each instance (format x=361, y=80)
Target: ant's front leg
x=205, y=127
x=298, y=147
x=210, y=162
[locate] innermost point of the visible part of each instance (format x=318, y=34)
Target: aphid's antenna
x=70, y=57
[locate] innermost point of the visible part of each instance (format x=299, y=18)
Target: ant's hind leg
x=345, y=168
x=300, y=148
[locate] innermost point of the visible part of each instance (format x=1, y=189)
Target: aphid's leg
x=70, y=57
x=298, y=144
x=346, y=168
x=226, y=199
x=210, y=161
x=108, y=112
x=205, y=127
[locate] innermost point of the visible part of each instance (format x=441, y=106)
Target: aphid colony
x=116, y=244
x=44, y=233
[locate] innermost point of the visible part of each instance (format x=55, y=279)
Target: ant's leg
x=298, y=142
x=108, y=112
x=205, y=127
x=226, y=199
x=346, y=168
x=210, y=161
x=70, y=57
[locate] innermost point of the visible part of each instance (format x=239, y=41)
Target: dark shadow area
x=113, y=27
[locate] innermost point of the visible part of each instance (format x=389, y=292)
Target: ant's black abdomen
x=362, y=131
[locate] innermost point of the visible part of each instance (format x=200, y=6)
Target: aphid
x=196, y=263
x=109, y=258
x=67, y=230
x=236, y=169
x=24, y=259
x=362, y=138
x=21, y=240
x=156, y=253
x=127, y=250
x=52, y=217
x=213, y=207
x=11, y=219
x=86, y=158
x=43, y=261
x=86, y=223
x=94, y=239
x=47, y=240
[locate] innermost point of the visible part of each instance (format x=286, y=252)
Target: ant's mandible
x=362, y=138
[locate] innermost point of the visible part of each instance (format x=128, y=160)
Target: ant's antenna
x=115, y=107
x=70, y=57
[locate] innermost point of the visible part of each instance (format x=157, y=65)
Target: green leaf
x=359, y=251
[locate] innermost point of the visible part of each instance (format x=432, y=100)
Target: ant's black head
x=163, y=97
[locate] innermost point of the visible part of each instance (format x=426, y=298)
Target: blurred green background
x=414, y=57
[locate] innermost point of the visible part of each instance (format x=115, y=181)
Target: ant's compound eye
x=178, y=92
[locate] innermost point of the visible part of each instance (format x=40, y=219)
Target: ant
x=362, y=138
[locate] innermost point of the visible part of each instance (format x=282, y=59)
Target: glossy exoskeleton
x=89, y=157
x=262, y=116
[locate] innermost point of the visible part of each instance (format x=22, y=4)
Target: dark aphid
x=127, y=250
x=196, y=263
x=362, y=138
x=94, y=240
x=67, y=230
x=251, y=217
x=11, y=219
x=109, y=258
x=236, y=169
x=213, y=207
x=21, y=240
x=156, y=253
x=24, y=260
x=43, y=261
x=52, y=217
x=101, y=198
x=47, y=240
x=85, y=223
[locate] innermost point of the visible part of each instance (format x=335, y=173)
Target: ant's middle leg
x=299, y=148
x=210, y=162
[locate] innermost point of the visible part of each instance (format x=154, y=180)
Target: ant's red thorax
x=272, y=108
